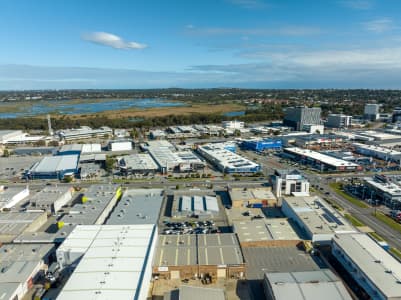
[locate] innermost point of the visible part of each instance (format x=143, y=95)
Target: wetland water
x=72, y=107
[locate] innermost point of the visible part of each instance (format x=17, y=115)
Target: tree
x=237, y=132
x=6, y=153
x=109, y=164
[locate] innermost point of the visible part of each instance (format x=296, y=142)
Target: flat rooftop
x=24, y=252
x=98, y=198
x=50, y=194
x=113, y=265
x=191, y=249
x=14, y=223
x=140, y=161
x=317, y=215
x=53, y=164
x=242, y=194
x=265, y=230
x=373, y=261
x=260, y=260
x=137, y=206
x=332, y=161
x=310, y=285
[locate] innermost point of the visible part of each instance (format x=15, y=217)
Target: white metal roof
x=383, y=270
x=336, y=162
x=51, y=164
x=114, y=264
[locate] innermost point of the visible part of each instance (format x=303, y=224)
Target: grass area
x=387, y=220
x=396, y=253
x=353, y=220
x=338, y=189
x=376, y=236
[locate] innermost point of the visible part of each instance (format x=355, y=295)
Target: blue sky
x=50, y=44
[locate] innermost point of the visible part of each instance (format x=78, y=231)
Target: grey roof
x=44, y=237
x=176, y=250
x=260, y=260
x=71, y=147
x=50, y=194
x=265, y=230
x=207, y=249
x=311, y=285
x=14, y=223
x=98, y=199
x=140, y=206
x=24, y=252
x=200, y=293
x=140, y=161
x=53, y=164
x=6, y=195
x=381, y=268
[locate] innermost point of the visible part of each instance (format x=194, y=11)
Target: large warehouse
x=52, y=198
x=372, y=267
x=316, y=217
x=227, y=161
x=261, y=145
x=321, y=161
x=311, y=285
x=189, y=256
x=141, y=163
x=115, y=264
x=54, y=167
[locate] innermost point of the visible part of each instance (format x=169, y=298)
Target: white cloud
x=111, y=40
x=358, y=4
x=379, y=25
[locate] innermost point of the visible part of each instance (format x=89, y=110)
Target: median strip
x=337, y=187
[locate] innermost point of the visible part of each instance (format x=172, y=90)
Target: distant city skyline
x=200, y=44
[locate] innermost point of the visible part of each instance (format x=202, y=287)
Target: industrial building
x=12, y=224
x=200, y=205
x=287, y=182
x=316, y=218
x=261, y=260
x=18, y=137
x=78, y=149
x=120, y=145
x=297, y=117
x=11, y=196
x=252, y=197
x=318, y=141
x=54, y=167
x=84, y=132
x=321, y=161
x=141, y=163
x=169, y=159
x=20, y=266
x=384, y=189
x=51, y=198
x=227, y=161
x=114, y=262
x=137, y=206
x=195, y=256
x=378, y=152
x=310, y=285
x=372, y=267
x=270, y=232
x=96, y=204
x=262, y=145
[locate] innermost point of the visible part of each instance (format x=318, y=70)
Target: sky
x=74, y=44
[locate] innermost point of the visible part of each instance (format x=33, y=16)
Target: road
x=392, y=237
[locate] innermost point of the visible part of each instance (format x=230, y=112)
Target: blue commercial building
x=54, y=167
x=261, y=145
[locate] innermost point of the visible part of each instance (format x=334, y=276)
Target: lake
x=69, y=107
